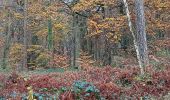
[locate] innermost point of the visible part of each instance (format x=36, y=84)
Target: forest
x=84, y=49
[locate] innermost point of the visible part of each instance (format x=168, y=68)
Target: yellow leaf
x=18, y=15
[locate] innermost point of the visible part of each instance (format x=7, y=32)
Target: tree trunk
x=50, y=40
x=25, y=35
x=76, y=41
x=7, y=41
x=141, y=33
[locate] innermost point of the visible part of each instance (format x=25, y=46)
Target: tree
x=141, y=34
x=7, y=41
x=25, y=35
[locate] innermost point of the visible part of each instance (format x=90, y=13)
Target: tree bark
x=141, y=32
x=77, y=42
x=25, y=36
x=7, y=41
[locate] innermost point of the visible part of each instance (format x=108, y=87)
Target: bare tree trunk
x=7, y=41
x=75, y=43
x=25, y=35
x=76, y=40
x=141, y=33
x=72, y=46
x=50, y=40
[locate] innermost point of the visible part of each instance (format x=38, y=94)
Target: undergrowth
x=106, y=83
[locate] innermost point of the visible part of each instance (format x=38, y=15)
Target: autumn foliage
x=112, y=83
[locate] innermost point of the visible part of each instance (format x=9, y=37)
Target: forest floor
x=93, y=83
x=122, y=82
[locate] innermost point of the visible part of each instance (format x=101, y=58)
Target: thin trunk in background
x=50, y=40
x=25, y=36
x=96, y=49
x=50, y=37
x=107, y=55
x=77, y=44
x=76, y=33
x=7, y=41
